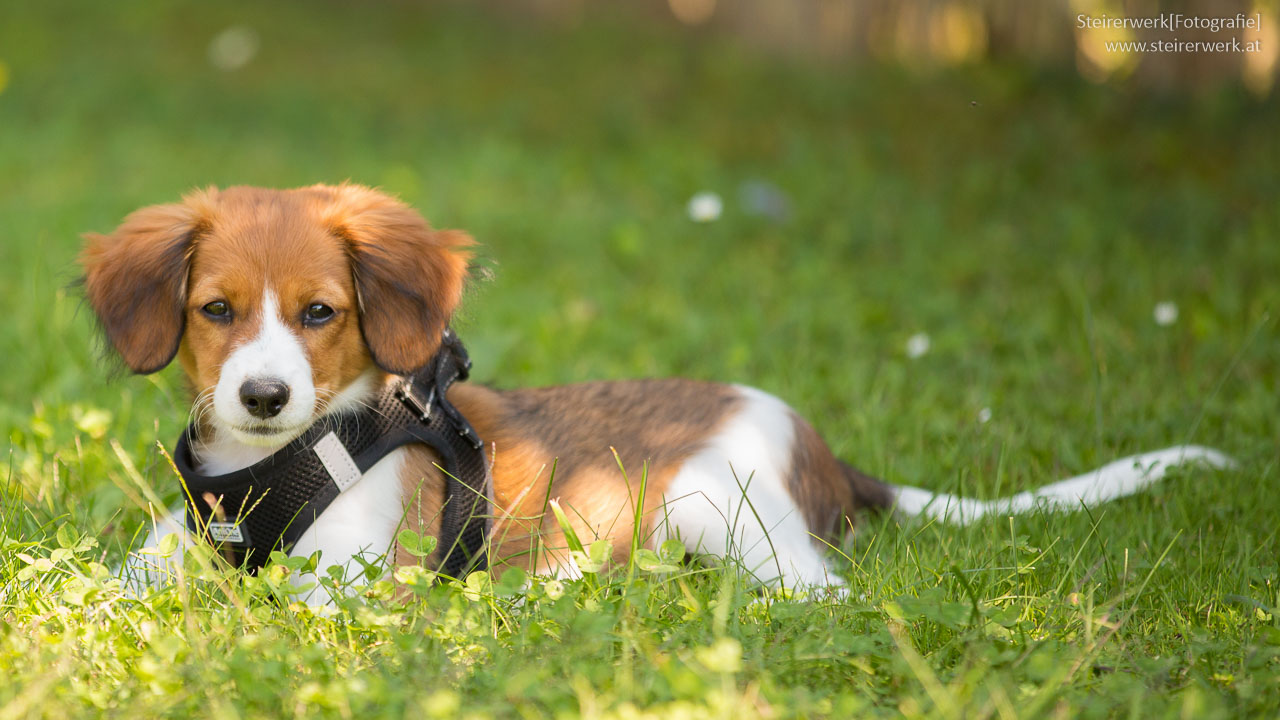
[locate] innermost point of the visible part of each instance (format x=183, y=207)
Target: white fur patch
x=146, y=568
x=274, y=354
x=1117, y=479
x=224, y=454
x=730, y=499
x=352, y=396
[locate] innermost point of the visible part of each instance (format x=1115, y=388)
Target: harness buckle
x=468, y=433
x=408, y=394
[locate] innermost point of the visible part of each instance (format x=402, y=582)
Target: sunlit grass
x=1025, y=225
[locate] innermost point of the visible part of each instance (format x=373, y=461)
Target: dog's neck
x=218, y=452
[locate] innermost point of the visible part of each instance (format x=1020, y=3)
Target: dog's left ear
x=408, y=276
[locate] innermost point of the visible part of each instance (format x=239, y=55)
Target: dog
x=287, y=307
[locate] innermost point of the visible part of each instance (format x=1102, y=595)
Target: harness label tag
x=337, y=461
x=225, y=532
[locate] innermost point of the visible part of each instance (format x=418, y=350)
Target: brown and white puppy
x=285, y=306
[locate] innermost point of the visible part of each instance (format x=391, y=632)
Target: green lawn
x=1026, y=221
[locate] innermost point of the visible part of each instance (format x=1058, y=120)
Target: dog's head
x=275, y=302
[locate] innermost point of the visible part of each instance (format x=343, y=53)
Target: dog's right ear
x=135, y=279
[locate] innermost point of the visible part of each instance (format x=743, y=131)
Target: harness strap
x=464, y=523
x=269, y=505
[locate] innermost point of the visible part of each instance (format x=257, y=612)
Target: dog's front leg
x=155, y=564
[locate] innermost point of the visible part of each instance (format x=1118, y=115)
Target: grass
x=1026, y=221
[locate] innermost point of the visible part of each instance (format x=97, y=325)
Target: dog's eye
x=317, y=314
x=218, y=310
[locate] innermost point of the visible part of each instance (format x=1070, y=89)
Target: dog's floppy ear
x=409, y=277
x=135, y=279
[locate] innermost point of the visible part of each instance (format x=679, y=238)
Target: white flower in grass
x=233, y=48
x=1166, y=313
x=705, y=207
x=917, y=345
x=984, y=416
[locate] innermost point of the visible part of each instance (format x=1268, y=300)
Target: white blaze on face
x=275, y=354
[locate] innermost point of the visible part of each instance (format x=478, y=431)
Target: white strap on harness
x=337, y=461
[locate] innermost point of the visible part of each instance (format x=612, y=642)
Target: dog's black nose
x=264, y=398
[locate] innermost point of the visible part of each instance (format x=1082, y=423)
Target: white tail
x=1117, y=479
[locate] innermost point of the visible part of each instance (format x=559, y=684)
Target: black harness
x=269, y=505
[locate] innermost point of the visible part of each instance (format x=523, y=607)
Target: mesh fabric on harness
x=269, y=505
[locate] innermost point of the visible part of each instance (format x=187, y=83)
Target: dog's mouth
x=260, y=430
x=267, y=435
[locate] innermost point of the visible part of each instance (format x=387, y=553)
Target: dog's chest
x=361, y=522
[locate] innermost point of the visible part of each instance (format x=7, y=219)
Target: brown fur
x=409, y=276
x=652, y=424
x=136, y=280
x=827, y=490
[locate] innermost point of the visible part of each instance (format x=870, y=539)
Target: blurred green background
x=1023, y=209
